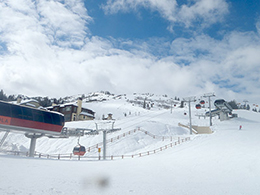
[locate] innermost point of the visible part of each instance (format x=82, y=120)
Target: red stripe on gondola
x=5, y=120
x=29, y=124
x=35, y=125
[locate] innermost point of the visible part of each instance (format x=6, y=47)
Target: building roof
x=69, y=104
x=86, y=114
x=31, y=103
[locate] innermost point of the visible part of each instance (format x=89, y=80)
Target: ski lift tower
x=105, y=126
x=245, y=101
x=189, y=100
x=209, y=95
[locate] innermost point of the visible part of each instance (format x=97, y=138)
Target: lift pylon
x=33, y=137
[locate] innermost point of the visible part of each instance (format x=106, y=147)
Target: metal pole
x=189, y=99
x=104, y=144
x=190, y=119
x=171, y=106
x=32, y=146
x=210, y=115
x=33, y=138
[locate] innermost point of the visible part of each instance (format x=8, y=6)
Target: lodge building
x=74, y=111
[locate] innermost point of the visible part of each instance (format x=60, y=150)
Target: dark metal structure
x=35, y=123
x=22, y=118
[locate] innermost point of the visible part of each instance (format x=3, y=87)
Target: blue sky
x=144, y=23
x=140, y=24
x=180, y=48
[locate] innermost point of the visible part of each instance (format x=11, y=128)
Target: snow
x=225, y=162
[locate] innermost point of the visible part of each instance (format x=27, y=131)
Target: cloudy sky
x=177, y=47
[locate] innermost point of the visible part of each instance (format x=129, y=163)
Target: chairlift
x=198, y=106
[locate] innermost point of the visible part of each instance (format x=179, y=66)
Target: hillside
x=225, y=162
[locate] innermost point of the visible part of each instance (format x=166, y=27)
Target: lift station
x=33, y=122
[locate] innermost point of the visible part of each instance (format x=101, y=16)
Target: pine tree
x=2, y=95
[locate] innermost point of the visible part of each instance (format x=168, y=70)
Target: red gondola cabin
x=198, y=106
x=202, y=102
x=79, y=150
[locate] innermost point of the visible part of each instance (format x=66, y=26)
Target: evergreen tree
x=11, y=98
x=233, y=104
x=2, y=95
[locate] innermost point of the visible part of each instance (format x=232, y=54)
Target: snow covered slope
x=225, y=162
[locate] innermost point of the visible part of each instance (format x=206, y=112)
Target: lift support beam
x=33, y=137
x=4, y=137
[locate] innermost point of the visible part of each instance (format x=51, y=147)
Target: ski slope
x=225, y=162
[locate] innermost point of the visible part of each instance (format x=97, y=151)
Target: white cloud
x=230, y=64
x=64, y=23
x=37, y=62
x=209, y=11
x=165, y=6
x=61, y=24
x=206, y=12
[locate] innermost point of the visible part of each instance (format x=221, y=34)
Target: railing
x=110, y=140
x=70, y=156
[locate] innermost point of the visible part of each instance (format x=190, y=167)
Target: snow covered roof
x=86, y=114
x=31, y=103
x=64, y=105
